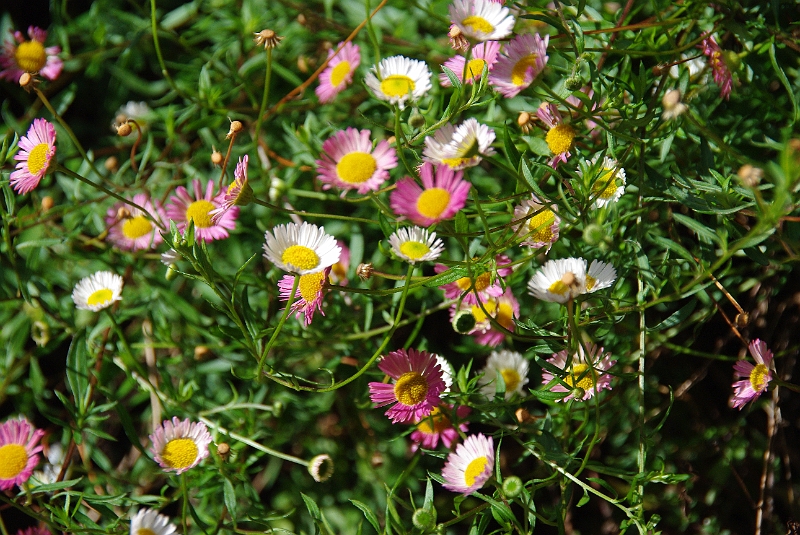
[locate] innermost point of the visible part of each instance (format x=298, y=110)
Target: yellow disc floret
x=434, y=423
x=180, y=453
x=521, y=67
x=100, y=297
x=541, y=224
x=340, y=72
x=433, y=202
x=356, y=167
x=574, y=379
x=605, y=186
x=300, y=257
x=198, y=212
x=397, y=85
x=414, y=249
x=136, y=227
x=478, y=24
x=758, y=377
x=475, y=68
x=145, y=531
x=411, y=388
x=481, y=282
x=30, y=56
x=560, y=138
x=13, y=460
x=474, y=469
x=510, y=378
x=37, y=158
x=310, y=285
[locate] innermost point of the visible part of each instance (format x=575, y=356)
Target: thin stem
x=265, y=96
x=154, y=30
x=278, y=328
x=253, y=444
x=312, y=214
x=184, y=505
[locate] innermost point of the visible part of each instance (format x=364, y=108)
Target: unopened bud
x=321, y=468
x=424, y=519
x=40, y=333
x=568, y=278
x=124, y=129
x=742, y=320
x=47, y=203
x=573, y=83
x=660, y=69
x=457, y=39
x=26, y=80
x=302, y=64
x=216, y=157
x=593, y=234
x=463, y=321
x=236, y=127
x=578, y=393
x=416, y=120
x=732, y=60
x=512, y=487
x=223, y=450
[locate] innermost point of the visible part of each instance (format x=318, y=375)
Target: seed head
x=268, y=38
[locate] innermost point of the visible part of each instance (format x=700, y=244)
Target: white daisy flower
x=301, y=248
x=607, y=182
x=537, y=223
x=600, y=275
x=97, y=291
x=459, y=147
x=447, y=372
x=509, y=365
x=415, y=244
x=398, y=79
x=150, y=522
x=559, y=280
x=483, y=20
x=179, y=445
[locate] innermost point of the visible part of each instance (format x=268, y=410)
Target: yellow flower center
x=356, y=167
x=397, y=85
x=434, y=423
x=179, y=453
x=606, y=185
x=478, y=24
x=474, y=469
x=310, y=285
x=490, y=306
x=338, y=270
x=198, y=212
x=560, y=287
x=590, y=282
x=541, y=224
x=475, y=68
x=481, y=282
x=411, y=388
x=100, y=297
x=300, y=257
x=30, y=56
x=505, y=316
x=145, y=531
x=560, y=138
x=340, y=72
x=521, y=68
x=758, y=377
x=433, y=202
x=452, y=163
x=414, y=249
x=586, y=382
x=136, y=227
x=13, y=460
x=37, y=158
x=511, y=378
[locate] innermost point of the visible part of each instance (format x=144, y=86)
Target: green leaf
x=785, y=81
x=78, y=371
x=511, y=150
x=369, y=514
x=451, y=275
x=702, y=231
x=312, y=507
x=229, y=495
x=677, y=317
x=462, y=226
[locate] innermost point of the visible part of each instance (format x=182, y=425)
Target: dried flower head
x=268, y=38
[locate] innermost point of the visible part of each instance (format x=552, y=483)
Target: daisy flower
x=348, y=161
x=502, y=309
x=470, y=466
x=398, y=78
x=300, y=248
x=439, y=198
x=523, y=59
x=485, y=285
x=416, y=388
x=184, y=208
x=438, y=426
x=415, y=244
x=459, y=147
x=37, y=148
x=482, y=20
x=755, y=379
x=339, y=72
x=607, y=182
x=29, y=56
x=239, y=192
x=309, y=293
x=559, y=280
x=720, y=70
x=19, y=451
x=447, y=372
x=537, y=223
x=135, y=230
x=560, y=137
x=483, y=55
x=599, y=276
x=150, y=522
x=509, y=365
x=584, y=372
x=97, y=291
x=179, y=445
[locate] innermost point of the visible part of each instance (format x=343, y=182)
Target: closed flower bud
x=593, y=234
x=463, y=321
x=416, y=120
x=424, y=519
x=512, y=487
x=573, y=83
x=321, y=468
x=525, y=122
x=201, y=352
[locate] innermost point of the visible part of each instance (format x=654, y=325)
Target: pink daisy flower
x=416, y=388
x=470, y=466
x=755, y=379
x=486, y=284
x=339, y=72
x=135, y=231
x=309, y=293
x=482, y=20
x=29, y=56
x=180, y=445
x=584, y=373
x=183, y=208
x=536, y=223
x=523, y=59
x=348, y=161
x=459, y=146
x=439, y=198
x=560, y=137
x=502, y=309
x=437, y=425
x=19, y=452
x=720, y=70
x=483, y=55
x=239, y=192
x=37, y=148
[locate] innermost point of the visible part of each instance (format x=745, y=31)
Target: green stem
x=252, y=444
x=265, y=96
x=185, y=504
x=154, y=30
x=313, y=214
x=3, y=529
x=278, y=328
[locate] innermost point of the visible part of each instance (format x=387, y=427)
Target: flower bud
x=512, y=487
x=124, y=129
x=424, y=519
x=593, y=234
x=236, y=127
x=321, y=468
x=26, y=81
x=463, y=321
x=216, y=157
x=201, y=352
x=223, y=450
x=525, y=122
x=749, y=175
x=573, y=83
x=416, y=120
